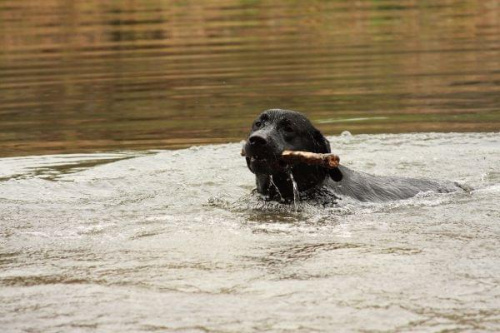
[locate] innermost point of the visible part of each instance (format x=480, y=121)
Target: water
x=92, y=75
x=271, y=180
x=296, y=194
x=175, y=241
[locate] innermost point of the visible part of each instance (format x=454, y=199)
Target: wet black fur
x=277, y=130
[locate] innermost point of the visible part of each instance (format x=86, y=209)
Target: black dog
x=277, y=130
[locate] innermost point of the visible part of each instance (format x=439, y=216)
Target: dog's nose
x=257, y=140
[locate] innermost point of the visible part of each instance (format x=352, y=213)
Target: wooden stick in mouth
x=329, y=161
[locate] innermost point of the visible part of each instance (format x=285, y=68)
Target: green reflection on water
x=97, y=76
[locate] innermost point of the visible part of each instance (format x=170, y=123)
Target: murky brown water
x=101, y=75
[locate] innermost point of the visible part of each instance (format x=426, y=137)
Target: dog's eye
x=258, y=124
x=288, y=129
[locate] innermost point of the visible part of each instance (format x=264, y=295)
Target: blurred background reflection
x=103, y=75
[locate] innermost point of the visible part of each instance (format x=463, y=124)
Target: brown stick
x=329, y=161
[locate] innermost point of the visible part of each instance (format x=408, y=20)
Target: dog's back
x=365, y=187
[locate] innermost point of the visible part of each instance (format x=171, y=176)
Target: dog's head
x=277, y=130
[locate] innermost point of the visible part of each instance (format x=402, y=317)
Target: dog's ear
x=335, y=174
x=322, y=145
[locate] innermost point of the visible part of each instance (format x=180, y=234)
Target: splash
x=296, y=195
x=271, y=180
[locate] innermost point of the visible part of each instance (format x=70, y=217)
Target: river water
x=105, y=228
x=87, y=75
x=176, y=241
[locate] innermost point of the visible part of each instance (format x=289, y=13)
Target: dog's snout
x=257, y=140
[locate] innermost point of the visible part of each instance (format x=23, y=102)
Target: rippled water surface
x=88, y=75
x=175, y=241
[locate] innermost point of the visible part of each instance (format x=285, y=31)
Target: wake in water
x=121, y=234
x=328, y=204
